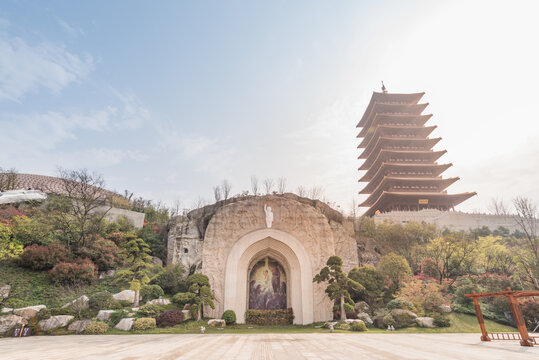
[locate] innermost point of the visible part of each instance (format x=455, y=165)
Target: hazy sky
x=168, y=98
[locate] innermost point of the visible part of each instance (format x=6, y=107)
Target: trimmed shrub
x=169, y=318
x=44, y=257
x=116, y=316
x=342, y=326
x=400, y=304
x=269, y=317
x=181, y=299
x=171, y=280
x=229, y=317
x=96, y=327
x=101, y=301
x=193, y=310
x=149, y=310
x=83, y=271
x=150, y=292
x=441, y=321
x=402, y=319
x=144, y=323
x=388, y=320
x=358, y=326
x=429, y=268
x=104, y=253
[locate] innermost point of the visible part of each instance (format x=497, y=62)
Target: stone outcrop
x=8, y=322
x=79, y=326
x=365, y=318
x=104, y=315
x=160, y=301
x=126, y=295
x=78, y=304
x=29, y=311
x=4, y=291
x=55, y=322
x=186, y=315
x=6, y=310
x=445, y=308
x=217, y=323
x=125, y=324
x=426, y=322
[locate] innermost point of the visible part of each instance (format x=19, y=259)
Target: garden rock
x=79, y=326
x=217, y=322
x=365, y=317
x=186, y=315
x=445, y=308
x=7, y=310
x=78, y=304
x=4, y=291
x=351, y=321
x=125, y=324
x=29, y=311
x=398, y=312
x=361, y=307
x=426, y=322
x=154, y=260
x=330, y=324
x=7, y=322
x=159, y=301
x=55, y=322
x=107, y=274
x=126, y=295
x=104, y=315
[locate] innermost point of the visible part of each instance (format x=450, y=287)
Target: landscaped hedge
x=269, y=317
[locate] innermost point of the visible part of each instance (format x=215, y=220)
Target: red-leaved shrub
x=44, y=257
x=530, y=311
x=169, y=318
x=79, y=272
x=429, y=268
x=104, y=253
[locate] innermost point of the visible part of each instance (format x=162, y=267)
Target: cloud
x=27, y=68
x=70, y=29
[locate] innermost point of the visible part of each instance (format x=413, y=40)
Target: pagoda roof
x=390, y=130
x=374, y=175
x=384, y=154
x=392, y=119
x=411, y=198
x=390, y=108
x=412, y=183
x=381, y=97
x=416, y=143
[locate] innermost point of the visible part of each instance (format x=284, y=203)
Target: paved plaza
x=264, y=346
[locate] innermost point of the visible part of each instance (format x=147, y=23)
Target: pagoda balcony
x=409, y=144
x=388, y=99
x=401, y=157
x=404, y=170
x=397, y=132
x=394, y=120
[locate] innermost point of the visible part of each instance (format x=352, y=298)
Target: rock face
x=126, y=295
x=427, y=322
x=55, y=322
x=78, y=304
x=159, y=301
x=125, y=324
x=4, y=291
x=8, y=322
x=365, y=317
x=217, y=322
x=29, y=311
x=104, y=315
x=79, y=326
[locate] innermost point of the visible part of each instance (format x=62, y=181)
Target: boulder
x=186, y=315
x=329, y=324
x=55, y=322
x=107, y=274
x=400, y=312
x=6, y=310
x=154, y=260
x=29, y=311
x=365, y=317
x=125, y=324
x=445, y=308
x=351, y=321
x=426, y=322
x=362, y=307
x=4, y=291
x=79, y=326
x=159, y=301
x=217, y=323
x=8, y=322
x=126, y=295
x=104, y=315
x=78, y=304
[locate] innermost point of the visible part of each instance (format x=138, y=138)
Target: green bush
x=229, y=317
x=342, y=326
x=119, y=305
x=149, y=310
x=402, y=319
x=193, y=310
x=400, y=304
x=96, y=327
x=144, y=324
x=101, y=301
x=183, y=298
x=116, y=316
x=169, y=318
x=441, y=320
x=358, y=326
x=388, y=320
x=150, y=292
x=171, y=280
x=269, y=317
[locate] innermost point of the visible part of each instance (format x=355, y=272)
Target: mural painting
x=267, y=286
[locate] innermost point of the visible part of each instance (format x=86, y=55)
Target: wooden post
x=519, y=321
x=479, y=314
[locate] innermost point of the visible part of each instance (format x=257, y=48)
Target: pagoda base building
x=401, y=168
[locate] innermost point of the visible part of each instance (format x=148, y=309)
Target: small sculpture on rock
x=269, y=216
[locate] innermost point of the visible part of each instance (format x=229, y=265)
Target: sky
x=168, y=98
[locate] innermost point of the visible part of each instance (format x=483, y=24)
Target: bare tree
x=225, y=188
x=301, y=191
x=526, y=219
x=316, y=192
x=353, y=210
x=498, y=207
x=8, y=179
x=268, y=185
x=217, y=193
x=254, y=185
x=199, y=203
x=281, y=185
x=175, y=209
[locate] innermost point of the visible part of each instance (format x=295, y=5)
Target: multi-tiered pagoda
x=402, y=172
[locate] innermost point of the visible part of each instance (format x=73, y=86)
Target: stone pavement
x=264, y=346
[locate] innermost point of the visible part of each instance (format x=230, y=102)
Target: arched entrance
x=267, y=285
x=285, y=251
